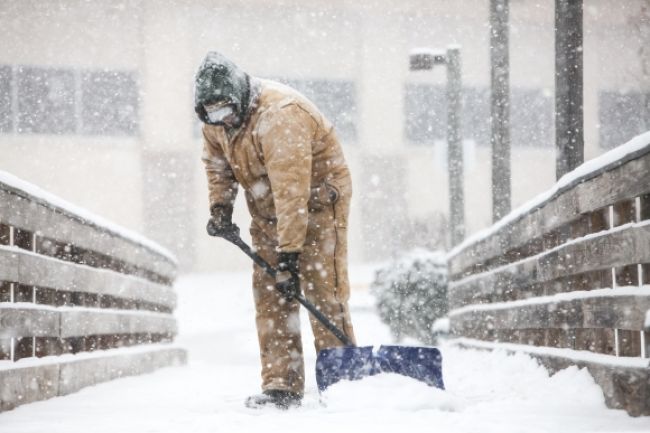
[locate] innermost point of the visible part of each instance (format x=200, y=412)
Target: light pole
x=426, y=59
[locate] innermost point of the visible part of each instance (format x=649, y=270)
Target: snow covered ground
x=486, y=391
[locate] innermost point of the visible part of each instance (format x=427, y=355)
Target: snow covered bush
x=411, y=295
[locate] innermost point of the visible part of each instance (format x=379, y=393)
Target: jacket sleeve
x=222, y=185
x=286, y=144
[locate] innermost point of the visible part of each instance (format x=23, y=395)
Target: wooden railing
x=81, y=301
x=566, y=278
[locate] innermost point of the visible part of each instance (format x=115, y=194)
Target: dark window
x=622, y=116
x=476, y=115
x=335, y=99
x=54, y=101
x=109, y=103
x=531, y=118
x=45, y=100
x=6, y=116
x=426, y=115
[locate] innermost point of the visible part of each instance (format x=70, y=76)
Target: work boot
x=274, y=397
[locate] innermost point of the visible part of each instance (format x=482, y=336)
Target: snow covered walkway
x=486, y=392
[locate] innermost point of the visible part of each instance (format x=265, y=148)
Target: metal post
x=500, y=108
x=569, y=120
x=455, y=147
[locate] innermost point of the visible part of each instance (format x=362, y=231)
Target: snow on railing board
x=57, y=272
x=557, y=248
x=559, y=297
x=574, y=355
x=37, y=194
x=73, y=357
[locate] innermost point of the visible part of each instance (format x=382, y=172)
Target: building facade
x=96, y=104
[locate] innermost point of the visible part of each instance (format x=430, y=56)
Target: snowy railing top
x=596, y=184
x=30, y=209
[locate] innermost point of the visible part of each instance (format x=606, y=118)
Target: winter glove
x=220, y=224
x=287, y=280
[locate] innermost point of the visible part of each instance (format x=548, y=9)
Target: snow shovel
x=352, y=362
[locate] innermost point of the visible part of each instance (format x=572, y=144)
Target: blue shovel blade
x=344, y=363
x=420, y=363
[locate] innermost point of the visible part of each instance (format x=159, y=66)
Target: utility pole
x=569, y=118
x=500, y=108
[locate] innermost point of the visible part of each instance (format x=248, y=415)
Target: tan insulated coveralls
x=288, y=160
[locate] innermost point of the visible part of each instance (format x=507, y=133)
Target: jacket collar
x=254, y=98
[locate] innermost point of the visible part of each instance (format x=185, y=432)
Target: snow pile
x=387, y=391
x=480, y=385
x=411, y=294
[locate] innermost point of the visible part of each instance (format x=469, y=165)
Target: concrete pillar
x=569, y=117
x=500, y=108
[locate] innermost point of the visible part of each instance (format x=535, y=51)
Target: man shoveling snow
x=276, y=144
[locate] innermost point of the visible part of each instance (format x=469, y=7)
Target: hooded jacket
x=286, y=157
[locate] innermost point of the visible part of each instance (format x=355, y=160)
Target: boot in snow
x=274, y=397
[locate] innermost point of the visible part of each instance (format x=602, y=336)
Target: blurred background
x=96, y=104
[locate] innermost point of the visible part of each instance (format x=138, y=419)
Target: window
x=475, y=115
x=45, y=101
x=109, y=103
x=531, y=118
x=6, y=117
x=426, y=115
x=622, y=116
x=64, y=101
x=335, y=99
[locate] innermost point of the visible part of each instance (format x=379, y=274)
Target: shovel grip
x=259, y=261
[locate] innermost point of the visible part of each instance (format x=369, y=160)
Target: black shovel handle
x=237, y=240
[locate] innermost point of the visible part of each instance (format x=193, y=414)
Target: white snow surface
x=56, y=201
x=486, y=391
x=636, y=144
